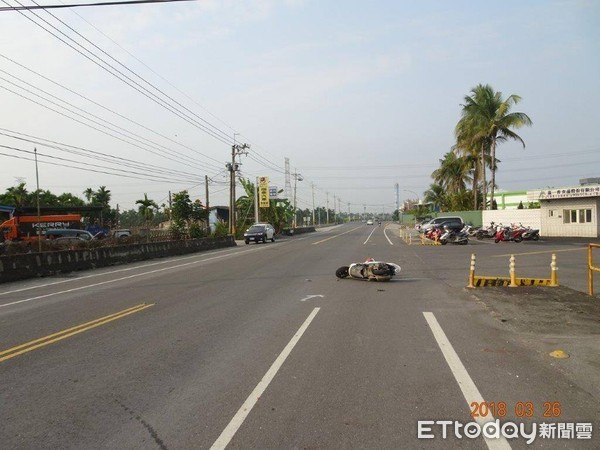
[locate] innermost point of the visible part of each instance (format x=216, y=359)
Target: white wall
x=553, y=225
x=528, y=217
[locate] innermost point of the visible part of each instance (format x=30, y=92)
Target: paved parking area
x=532, y=260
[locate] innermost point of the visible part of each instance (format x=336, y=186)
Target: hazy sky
x=358, y=95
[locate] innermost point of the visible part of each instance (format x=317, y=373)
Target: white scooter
x=370, y=270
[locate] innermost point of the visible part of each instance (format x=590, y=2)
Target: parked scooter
x=506, y=234
x=370, y=270
x=454, y=236
x=531, y=234
x=487, y=233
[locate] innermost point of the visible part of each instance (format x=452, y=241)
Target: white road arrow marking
x=311, y=296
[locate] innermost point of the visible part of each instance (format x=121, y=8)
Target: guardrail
x=591, y=268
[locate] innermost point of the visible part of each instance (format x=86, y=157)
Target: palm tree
x=436, y=195
x=89, y=194
x=487, y=119
x=453, y=174
x=146, y=209
x=18, y=194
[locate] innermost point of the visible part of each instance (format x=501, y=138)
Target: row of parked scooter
x=448, y=234
x=514, y=232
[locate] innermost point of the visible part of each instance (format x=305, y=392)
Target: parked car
x=451, y=221
x=259, y=232
x=68, y=232
x=120, y=234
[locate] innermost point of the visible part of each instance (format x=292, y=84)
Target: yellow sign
x=263, y=192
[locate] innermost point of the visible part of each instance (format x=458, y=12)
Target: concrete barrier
x=31, y=265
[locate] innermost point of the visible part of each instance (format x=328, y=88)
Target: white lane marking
x=124, y=278
x=70, y=280
x=245, y=409
x=386, y=236
x=333, y=237
x=466, y=384
x=308, y=297
x=369, y=236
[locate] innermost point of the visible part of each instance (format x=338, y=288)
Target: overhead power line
x=79, y=5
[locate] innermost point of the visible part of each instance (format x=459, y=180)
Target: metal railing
x=591, y=268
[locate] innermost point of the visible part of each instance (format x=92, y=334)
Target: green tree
x=147, y=209
x=453, y=174
x=436, y=195
x=18, y=196
x=486, y=118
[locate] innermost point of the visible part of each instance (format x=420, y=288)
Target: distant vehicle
x=25, y=228
x=370, y=222
x=120, y=234
x=260, y=232
x=68, y=233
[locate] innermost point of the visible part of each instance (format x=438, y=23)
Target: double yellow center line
x=50, y=339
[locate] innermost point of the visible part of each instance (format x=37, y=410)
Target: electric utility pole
x=233, y=167
x=297, y=177
x=327, y=193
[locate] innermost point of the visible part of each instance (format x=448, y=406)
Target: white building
x=569, y=211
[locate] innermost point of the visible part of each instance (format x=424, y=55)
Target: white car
x=260, y=232
x=370, y=222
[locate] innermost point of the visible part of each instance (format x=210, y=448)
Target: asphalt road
x=261, y=347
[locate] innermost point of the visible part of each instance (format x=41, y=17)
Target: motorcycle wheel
x=465, y=242
x=479, y=236
x=518, y=238
x=342, y=272
x=536, y=237
x=496, y=240
x=443, y=241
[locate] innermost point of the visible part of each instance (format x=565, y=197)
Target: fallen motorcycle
x=370, y=270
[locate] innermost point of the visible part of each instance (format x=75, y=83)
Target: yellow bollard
x=513, y=276
x=554, y=274
x=472, y=272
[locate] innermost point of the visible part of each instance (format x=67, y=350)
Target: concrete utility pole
x=312, y=185
x=327, y=193
x=207, y=206
x=297, y=177
x=397, y=198
x=233, y=167
x=334, y=209
x=256, y=202
x=348, y=211
x=37, y=196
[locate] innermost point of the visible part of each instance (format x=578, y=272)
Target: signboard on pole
x=272, y=191
x=263, y=192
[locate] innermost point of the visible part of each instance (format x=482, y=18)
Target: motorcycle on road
x=370, y=270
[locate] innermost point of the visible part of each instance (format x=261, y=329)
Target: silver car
x=260, y=232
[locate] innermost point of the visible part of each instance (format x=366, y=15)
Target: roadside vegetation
x=461, y=182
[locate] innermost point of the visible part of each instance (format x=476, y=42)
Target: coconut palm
x=454, y=173
x=436, y=195
x=487, y=120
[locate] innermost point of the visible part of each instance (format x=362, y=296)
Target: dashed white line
x=245, y=409
x=369, y=236
x=466, y=384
